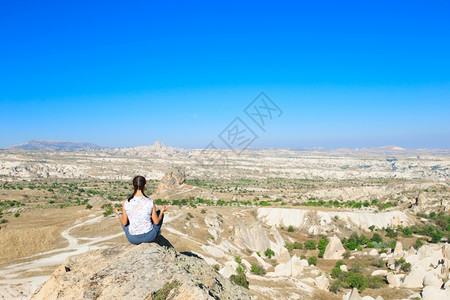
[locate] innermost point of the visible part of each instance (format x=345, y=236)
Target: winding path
x=23, y=288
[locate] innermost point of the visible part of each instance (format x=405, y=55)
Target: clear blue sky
x=127, y=73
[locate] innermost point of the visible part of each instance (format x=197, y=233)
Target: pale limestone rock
x=279, y=241
x=247, y=264
x=227, y=271
x=392, y=280
x=398, y=248
x=430, y=280
x=414, y=279
x=313, y=230
x=135, y=272
x=354, y=295
x=260, y=261
x=322, y=282
x=379, y=298
x=283, y=270
x=344, y=268
x=373, y=252
x=253, y=237
x=334, y=249
x=367, y=298
x=171, y=180
x=284, y=256
x=433, y=293
x=380, y=273
x=297, y=266
x=213, y=251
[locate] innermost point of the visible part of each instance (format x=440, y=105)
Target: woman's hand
x=118, y=210
x=164, y=208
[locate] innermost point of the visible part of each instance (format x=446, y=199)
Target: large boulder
x=352, y=295
x=398, y=248
x=137, y=272
x=284, y=256
x=334, y=249
x=251, y=237
x=322, y=282
x=393, y=280
x=171, y=180
x=430, y=280
x=433, y=293
x=414, y=279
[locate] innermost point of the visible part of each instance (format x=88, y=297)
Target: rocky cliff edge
x=146, y=271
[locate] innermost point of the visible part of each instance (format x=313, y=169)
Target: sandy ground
x=20, y=277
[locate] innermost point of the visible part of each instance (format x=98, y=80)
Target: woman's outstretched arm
x=155, y=218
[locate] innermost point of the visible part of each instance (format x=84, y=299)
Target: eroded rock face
x=334, y=249
x=253, y=237
x=171, y=180
x=136, y=272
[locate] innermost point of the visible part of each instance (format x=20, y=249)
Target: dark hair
x=138, y=184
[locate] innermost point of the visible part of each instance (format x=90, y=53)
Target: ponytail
x=138, y=184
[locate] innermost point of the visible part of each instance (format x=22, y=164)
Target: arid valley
x=366, y=224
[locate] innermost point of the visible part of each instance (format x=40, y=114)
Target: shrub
x=436, y=236
x=203, y=211
x=379, y=263
x=375, y=282
x=312, y=260
x=391, y=233
x=240, y=270
x=376, y=238
x=372, y=227
x=108, y=209
x=370, y=245
x=269, y=253
x=310, y=245
x=418, y=243
x=291, y=228
x=407, y=232
x=16, y=215
x=3, y=221
x=240, y=279
x=356, y=268
x=322, y=245
x=216, y=267
x=351, y=245
x=163, y=293
x=339, y=263
x=89, y=206
x=347, y=254
x=356, y=280
x=257, y=269
x=336, y=286
x=336, y=272
x=238, y=259
x=405, y=267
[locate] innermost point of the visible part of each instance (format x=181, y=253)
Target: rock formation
x=137, y=272
x=334, y=249
x=171, y=180
x=252, y=238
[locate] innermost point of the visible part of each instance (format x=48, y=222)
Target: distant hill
x=55, y=145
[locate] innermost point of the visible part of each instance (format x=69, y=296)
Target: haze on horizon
x=344, y=74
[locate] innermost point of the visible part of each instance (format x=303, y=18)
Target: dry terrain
x=302, y=205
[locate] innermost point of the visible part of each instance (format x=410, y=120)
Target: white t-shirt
x=139, y=211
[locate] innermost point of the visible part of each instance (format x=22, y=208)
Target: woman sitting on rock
x=140, y=220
